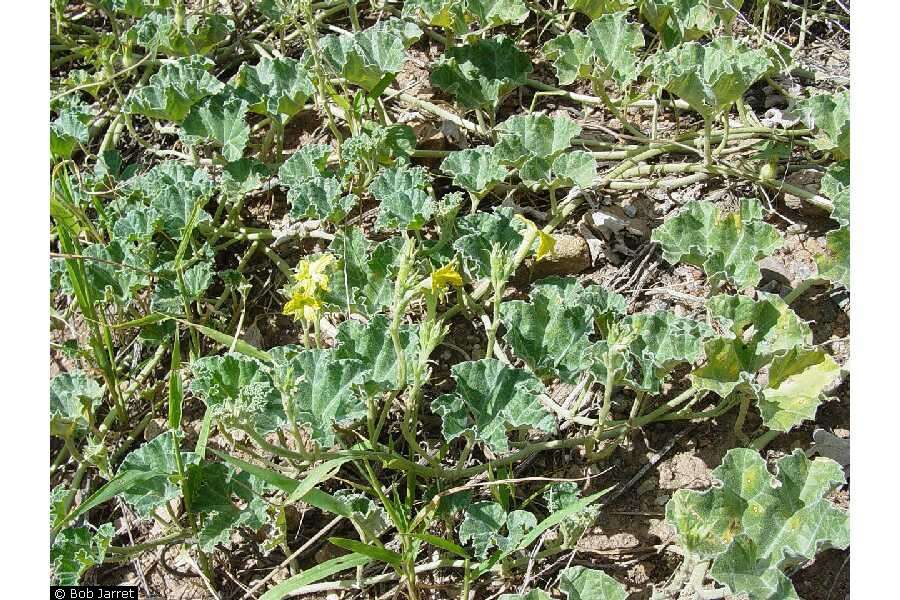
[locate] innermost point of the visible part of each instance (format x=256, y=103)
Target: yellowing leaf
x=546, y=242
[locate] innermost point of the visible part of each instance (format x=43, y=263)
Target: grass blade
x=229, y=341
x=318, y=498
x=380, y=554
x=317, y=573
x=443, y=544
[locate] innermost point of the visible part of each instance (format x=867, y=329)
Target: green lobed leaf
x=754, y=525
x=174, y=190
x=572, y=54
x=494, y=13
x=372, y=345
x=829, y=114
x=365, y=513
x=581, y=583
x=727, y=246
x=306, y=163
x=550, y=331
x=534, y=135
x=238, y=387
x=365, y=57
x=174, y=89
x=479, y=232
x=710, y=77
x=197, y=35
x=321, y=388
x=73, y=398
x=76, y=550
x=69, y=130
x=755, y=332
x=219, y=119
x=596, y=8
x=404, y=203
x=490, y=398
x=615, y=41
x=153, y=465
x=836, y=187
x=484, y=522
x=797, y=380
x=479, y=74
x=449, y=14
x=834, y=264
x=476, y=170
x=320, y=198
x=277, y=87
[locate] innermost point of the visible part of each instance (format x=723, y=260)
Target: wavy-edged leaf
x=77, y=549
x=306, y=163
x=404, y=202
x=73, y=398
x=494, y=13
x=371, y=344
x=490, y=398
x=571, y=54
x=175, y=190
x=484, y=522
x=197, y=35
x=479, y=74
x=238, y=387
x=275, y=86
x=834, y=264
x=836, y=187
x=754, y=525
x=69, y=130
x=710, y=77
x=154, y=464
x=615, y=42
x=219, y=119
x=596, y=8
x=756, y=331
x=476, y=170
x=794, y=391
x=449, y=14
x=535, y=135
x=574, y=168
x=550, y=331
x=479, y=232
x=685, y=20
x=365, y=57
x=581, y=583
x=829, y=114
x=726, y=246
x=174, y=89
x=322, y=388
x=368, y=516
x=320, y=198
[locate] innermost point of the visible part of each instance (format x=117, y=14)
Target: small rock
x=445, y=355
x=774, y=269
x=154, y=428
x=661, y=499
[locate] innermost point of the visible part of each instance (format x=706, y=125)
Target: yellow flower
x=303, y=305
x=546, y=242
x=442, y=279
x=311, y=273
x=311, y=278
